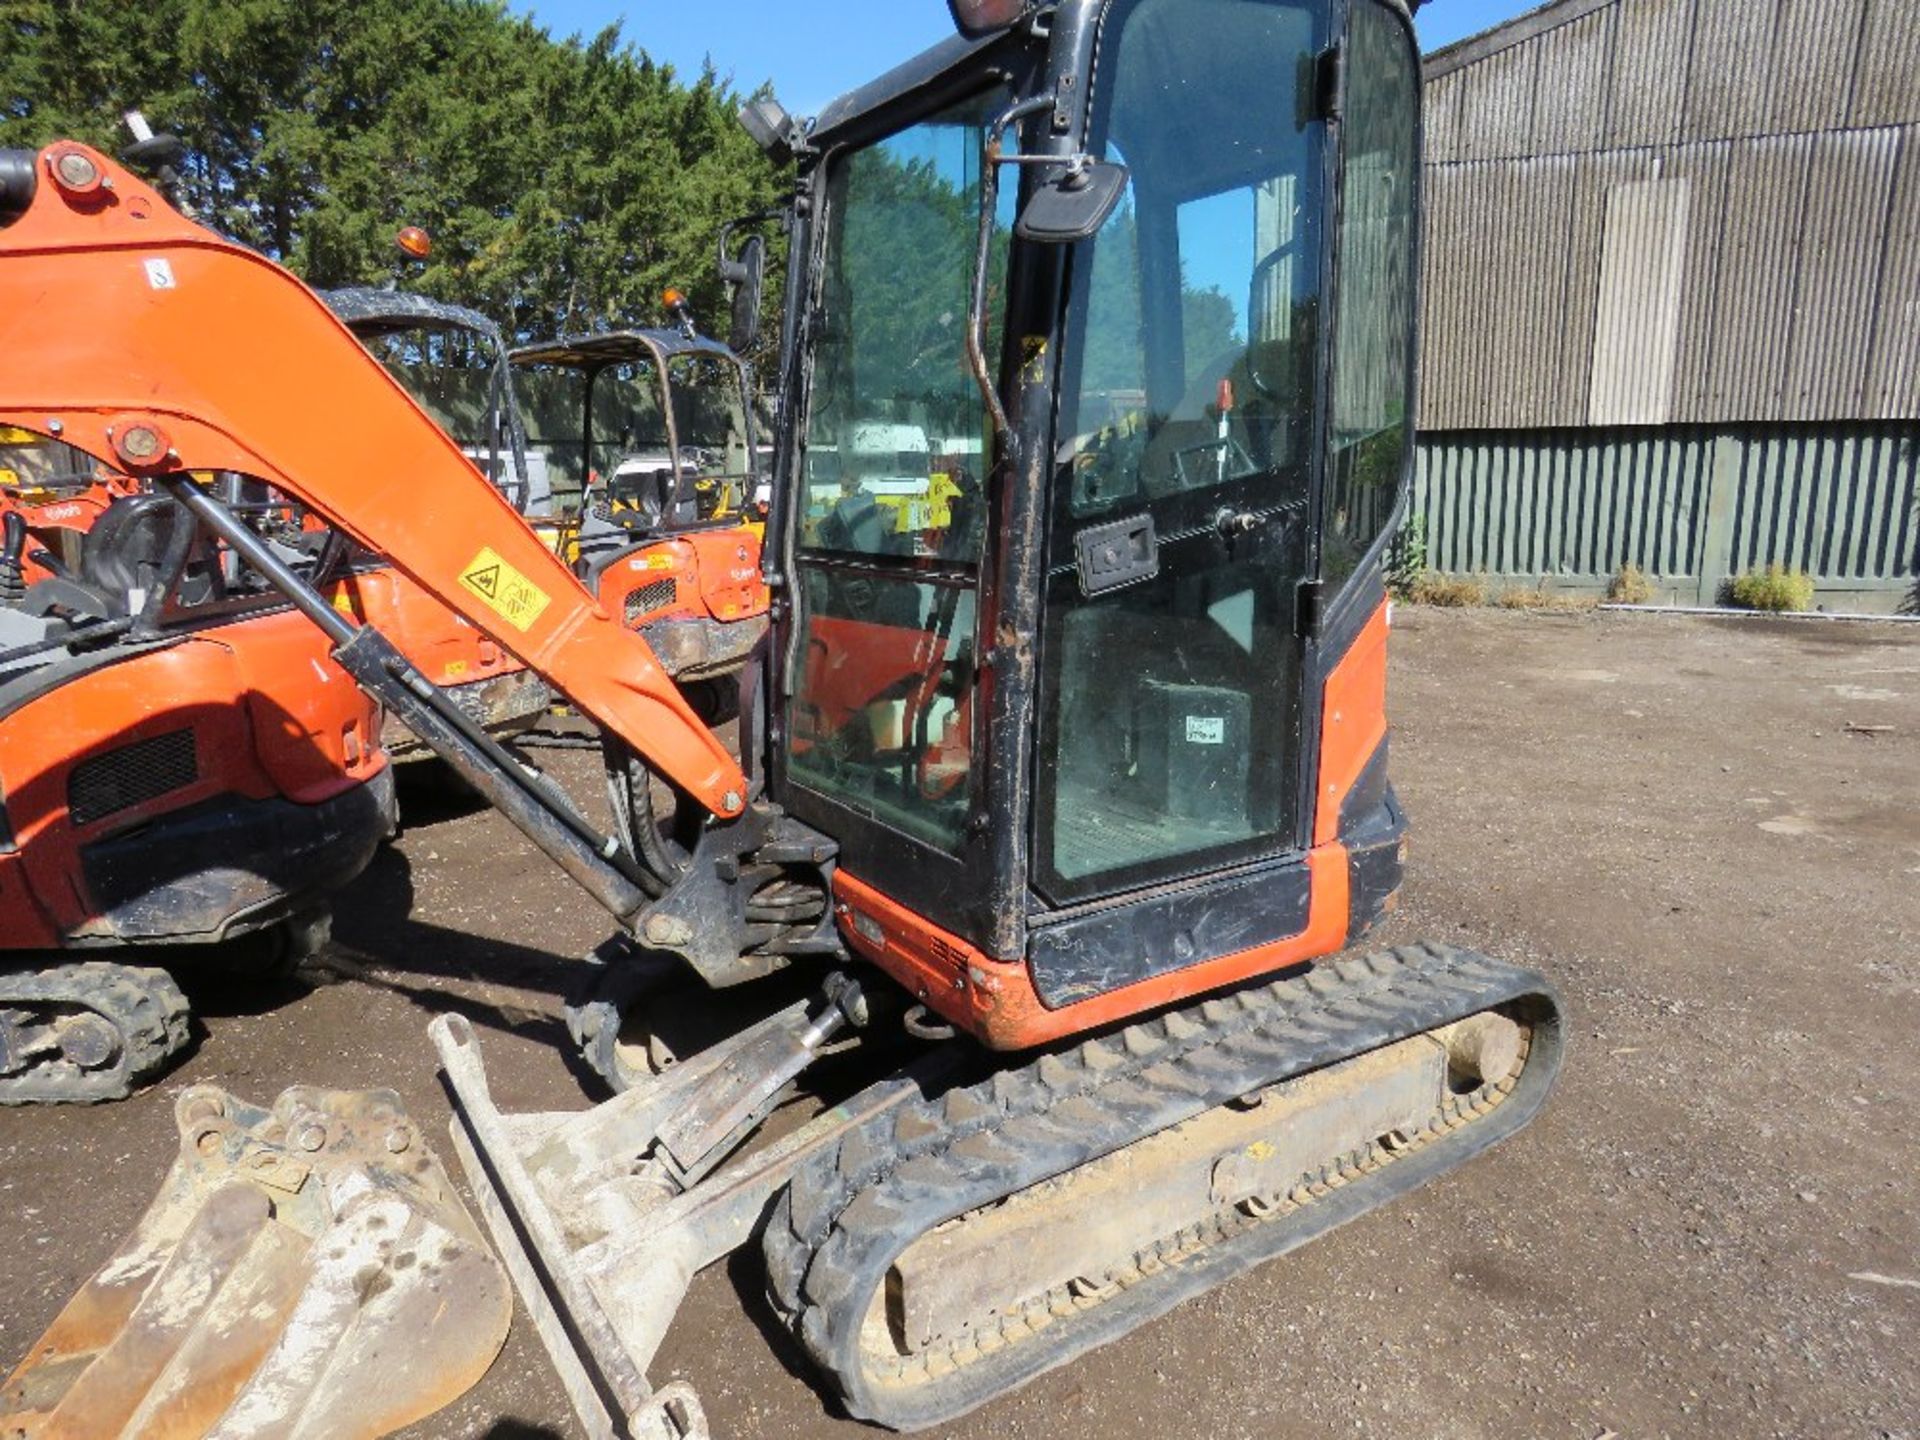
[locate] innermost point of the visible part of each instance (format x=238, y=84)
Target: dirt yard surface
x=1706, y=831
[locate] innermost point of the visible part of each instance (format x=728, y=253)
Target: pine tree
x=565, y=182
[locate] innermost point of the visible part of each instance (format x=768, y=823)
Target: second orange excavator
x=182, y=766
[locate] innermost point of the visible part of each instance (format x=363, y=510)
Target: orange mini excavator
x=686, y=579
x=180, y=764
x=1069, y=783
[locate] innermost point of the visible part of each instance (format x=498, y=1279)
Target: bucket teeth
x=305, y=1272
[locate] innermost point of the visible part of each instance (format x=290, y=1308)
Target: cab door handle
x=1233, y=524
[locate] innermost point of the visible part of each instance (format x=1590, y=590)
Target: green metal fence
x=1690, y=506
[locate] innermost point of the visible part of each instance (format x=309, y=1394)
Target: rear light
x=869, y=928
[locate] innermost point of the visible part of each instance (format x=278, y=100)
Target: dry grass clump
x=1451, y=592
x=1523, y=599
x=1629, y=586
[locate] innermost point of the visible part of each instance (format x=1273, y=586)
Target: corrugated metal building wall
x=1691, y=505
x=1668, y=240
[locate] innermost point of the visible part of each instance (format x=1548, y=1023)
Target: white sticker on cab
x=1206, y=730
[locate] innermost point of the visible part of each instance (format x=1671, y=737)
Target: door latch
x=1118, y=553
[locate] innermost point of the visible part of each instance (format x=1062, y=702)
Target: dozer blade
x=306, y=1273
x=604, y=1215
x=934, y=1245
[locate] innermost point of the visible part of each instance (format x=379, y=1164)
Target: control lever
x=52, y=564
x=13, y=544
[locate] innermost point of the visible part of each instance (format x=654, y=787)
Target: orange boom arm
x=116, y=310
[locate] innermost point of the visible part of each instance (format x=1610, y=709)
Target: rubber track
x=143, y=1004
x=839, y=1226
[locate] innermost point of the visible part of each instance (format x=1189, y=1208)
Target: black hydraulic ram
x=526, y=797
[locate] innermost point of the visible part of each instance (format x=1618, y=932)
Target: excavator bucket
x=307, y=1273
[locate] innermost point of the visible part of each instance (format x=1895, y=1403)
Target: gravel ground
x=1699, y=828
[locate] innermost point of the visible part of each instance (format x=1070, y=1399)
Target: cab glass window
x=1372, y=422
x=897, y=430
x=892, y=519
x=1169, y=705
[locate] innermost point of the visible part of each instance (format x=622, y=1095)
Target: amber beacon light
x=982, y=17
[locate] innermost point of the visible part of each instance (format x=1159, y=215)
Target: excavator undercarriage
x=934, y=1243
x=87, y=1030
x=185, y=782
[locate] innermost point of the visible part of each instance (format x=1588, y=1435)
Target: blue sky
x=813, y=51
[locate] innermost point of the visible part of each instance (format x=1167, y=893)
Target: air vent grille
x=131, y=775
x=649, y=598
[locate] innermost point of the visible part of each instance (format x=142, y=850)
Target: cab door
x=882, y=743
x=1180, y=535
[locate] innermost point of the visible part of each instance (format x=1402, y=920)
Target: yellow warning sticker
x=517, y=599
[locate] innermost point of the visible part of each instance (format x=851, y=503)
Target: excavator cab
x=1097, y=690
x=652, y=427
x=650, y=433
x=453, y=361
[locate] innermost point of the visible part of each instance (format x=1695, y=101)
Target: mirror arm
x=994, y=156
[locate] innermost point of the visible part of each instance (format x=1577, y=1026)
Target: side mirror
x=1073, y=204
x=975, y=18
x=744, y=274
